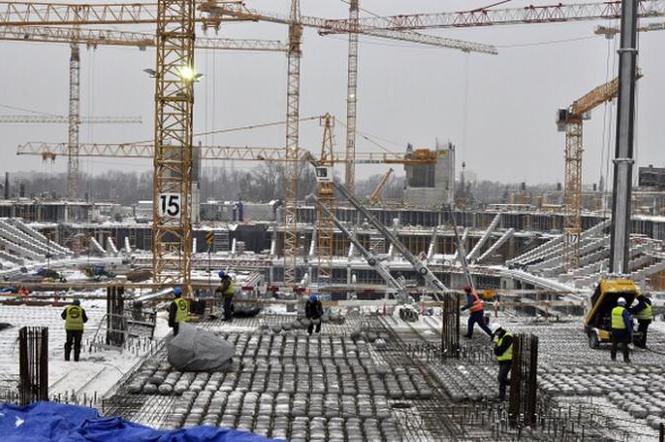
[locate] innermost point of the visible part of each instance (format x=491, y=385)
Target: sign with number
x=169, y=204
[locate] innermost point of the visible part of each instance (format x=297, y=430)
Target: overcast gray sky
x=498, y=110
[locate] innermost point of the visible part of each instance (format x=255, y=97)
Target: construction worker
x=622, y=329
x=643, y=312
x=503, y=350
x=178, y=311
x=476, y=308
x=313, y=312
x=227, y=290
x=74, y=316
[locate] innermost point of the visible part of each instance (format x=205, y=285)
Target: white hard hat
x=495, y=327
x=621, y=301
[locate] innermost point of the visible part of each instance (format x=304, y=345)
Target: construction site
x=331, y=288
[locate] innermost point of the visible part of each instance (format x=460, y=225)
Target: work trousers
x=504, y=370
x=228, y=308
x=176, y=328
x=477, y=318
x=643, y=327
x=311, y=326
x=620, y=337
x=73, y=339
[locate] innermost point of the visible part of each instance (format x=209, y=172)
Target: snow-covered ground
x=99, y=368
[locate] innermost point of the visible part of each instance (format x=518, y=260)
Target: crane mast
x=326, y=203
x=174, y=102
x=74, y=124
x=352, y=99
x=292, y=148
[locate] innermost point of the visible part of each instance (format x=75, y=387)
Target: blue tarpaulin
x=51, y=422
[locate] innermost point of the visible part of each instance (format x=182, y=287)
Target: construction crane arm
x=62, y=119
x=323, y=25
x=375, y=197
x=556, y=13
x=596, y=97
x=58, y=14
x=238, y=153
x=108, y=37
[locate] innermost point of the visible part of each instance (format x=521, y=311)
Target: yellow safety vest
x=508, y=354
x=74, y=318
x=646, y=314
x=617, y=318
x=230, y=291
x=182, y=311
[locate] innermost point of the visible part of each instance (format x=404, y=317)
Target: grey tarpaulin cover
x=195, y=349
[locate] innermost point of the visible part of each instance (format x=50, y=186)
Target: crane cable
x=235, y=129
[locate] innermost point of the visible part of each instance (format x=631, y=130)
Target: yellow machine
x=603, y=300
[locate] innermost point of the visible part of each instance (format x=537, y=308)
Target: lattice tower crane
x=73, y=129
x=325, y=230
x=174, y=102
x=351, y=99
x=571, y=121
x=291, y=170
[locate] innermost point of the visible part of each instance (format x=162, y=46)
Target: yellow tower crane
x=174, y=102
x=570, y=120
x=326, y=226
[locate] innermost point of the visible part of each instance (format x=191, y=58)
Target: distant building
x=433, y=184
x=652, y=177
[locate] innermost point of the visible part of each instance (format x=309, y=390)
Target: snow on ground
x=99, y=368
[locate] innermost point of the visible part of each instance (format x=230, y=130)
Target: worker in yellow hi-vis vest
x=503, y=350
x=227, y=290
x=178, y=311
x=74, y=316
x=643, y=312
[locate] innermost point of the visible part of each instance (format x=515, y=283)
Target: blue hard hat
x=313, y=297
x=177, y=291
x=221, y=274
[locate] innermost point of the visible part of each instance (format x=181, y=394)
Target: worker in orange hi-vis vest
x=476, y=308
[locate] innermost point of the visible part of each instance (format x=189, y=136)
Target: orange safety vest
x=478, y=304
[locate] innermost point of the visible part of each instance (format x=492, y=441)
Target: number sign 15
x=169, y=204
